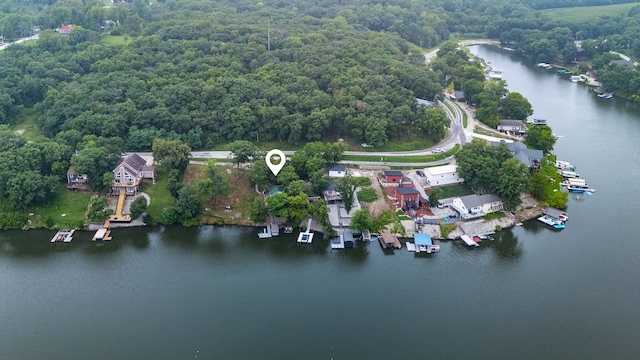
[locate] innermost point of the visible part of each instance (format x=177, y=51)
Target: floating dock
x=64, y=235
x=266, y=233
x=468, y=241
x=337, y=242
x=307, y=236
x=388, y=240
x=366, y=235
x=103, y=234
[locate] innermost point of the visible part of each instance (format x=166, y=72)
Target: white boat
x=569, y=174
x=605, y=95
x=551, y=221
x=565, y=165
x=576, y=78
x=495, y=74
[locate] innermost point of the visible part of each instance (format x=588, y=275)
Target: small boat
x=551, y=221
x=580, y=188
x=605, y=95
x=565, y=165
x=576, y=78
x=495, y=74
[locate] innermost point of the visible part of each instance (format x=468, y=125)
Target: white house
x=338, y=171
x=443, y=175
x=475, y=206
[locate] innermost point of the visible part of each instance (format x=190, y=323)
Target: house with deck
x=514, y=127
x=443, y=175
x=130, y=173
x=77, y=181
x=65, y=30
x=476, y=206
x=331, y=194
x=530, y=157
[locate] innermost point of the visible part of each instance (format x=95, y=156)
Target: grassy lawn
x=586, y=13
x=67, y=210
x=160, y=196
x=403, y=159
x=367, y=195
x=26, y=124
x=494, y=215
x=117, y=39
x=362, y=181
x=455, y=190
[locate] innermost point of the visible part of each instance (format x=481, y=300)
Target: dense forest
x=207, y=73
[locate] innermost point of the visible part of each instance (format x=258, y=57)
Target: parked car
x=420, y=173
x=436, y=150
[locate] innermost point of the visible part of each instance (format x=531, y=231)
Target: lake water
x=222, y=293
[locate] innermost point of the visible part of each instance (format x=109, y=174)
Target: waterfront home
x=476, y=206
x=338, y=171
x=515, y=127
x=530, y=157
x=443, y=175
x=331, y=195
x=130, y=173
x=77, y=181
x=65, y=30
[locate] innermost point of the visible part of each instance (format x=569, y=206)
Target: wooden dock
x=103, y=234
x=388, y=240
x=119, y=216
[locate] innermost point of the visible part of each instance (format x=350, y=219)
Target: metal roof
x=423, y=239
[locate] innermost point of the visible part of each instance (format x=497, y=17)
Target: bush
x=147, y=219
x=367, y=195
x=446, y=229
x=362, y=181
x=138, y=206
x=99, y=209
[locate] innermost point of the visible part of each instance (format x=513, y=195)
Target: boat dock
x=388, y=240
x=337, y=242
x=307, y=236
x=468, y=241
x=64, y=235
x=102, y=234
x=119, y=216
x=266, y=233
x=366, y=235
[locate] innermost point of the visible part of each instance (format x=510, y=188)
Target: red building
x=407, y=197
x=392, y=176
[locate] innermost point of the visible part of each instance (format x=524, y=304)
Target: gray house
x=531, y=157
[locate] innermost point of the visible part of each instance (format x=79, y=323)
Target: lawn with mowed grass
x=586, y=13
x=66, y=210
x=402, y=159
x=160, y=197
x=452, y=191
x=117, y=39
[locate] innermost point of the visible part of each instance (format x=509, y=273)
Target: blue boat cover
x=423, y=239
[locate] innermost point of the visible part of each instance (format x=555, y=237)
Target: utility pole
x=269, y=34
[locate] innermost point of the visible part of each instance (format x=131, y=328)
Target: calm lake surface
x=222, y=293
